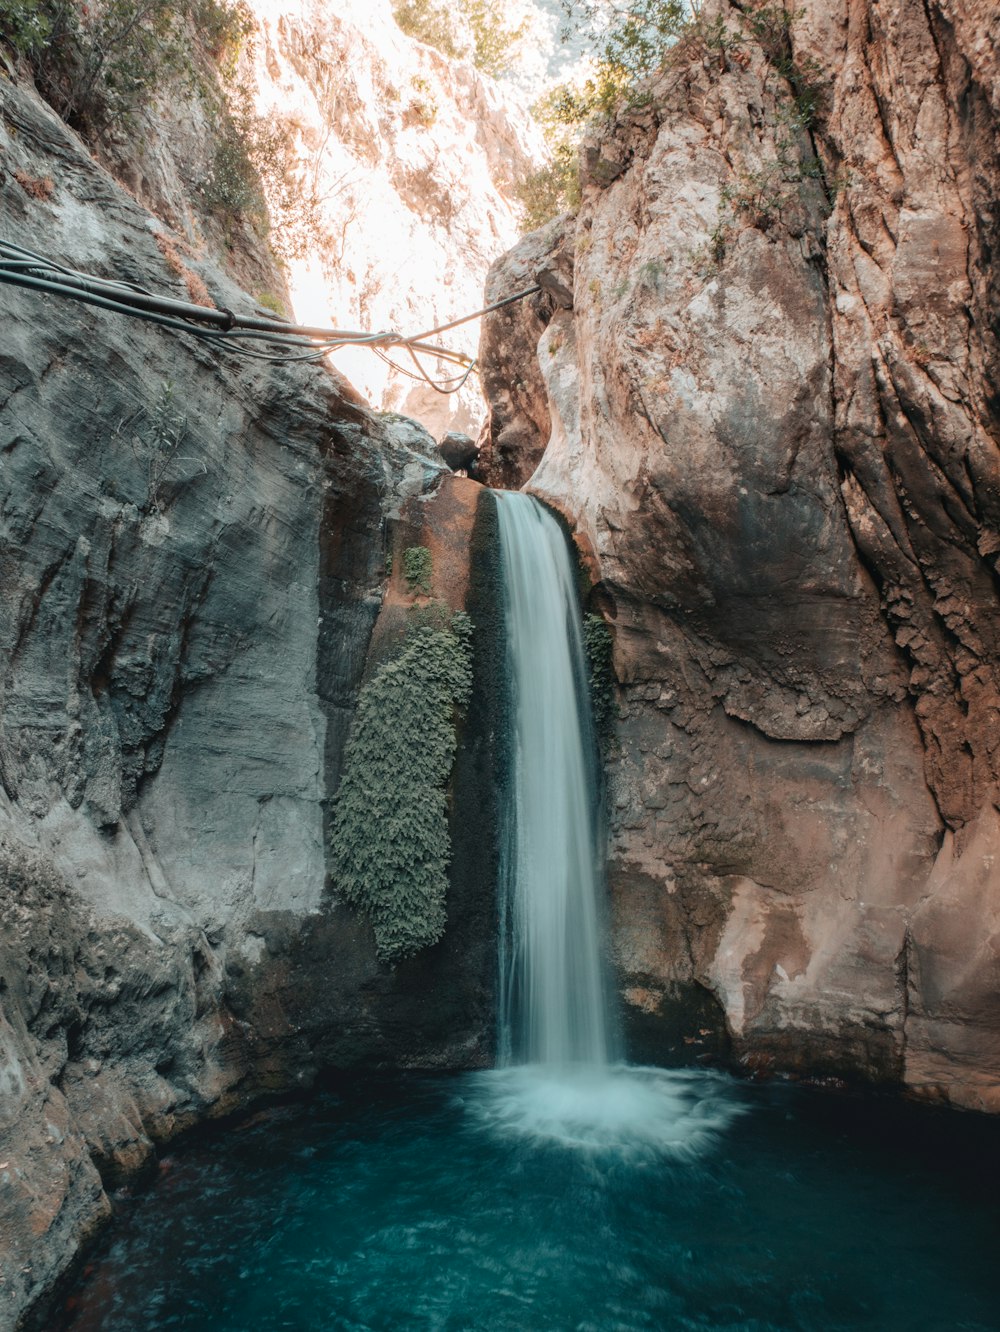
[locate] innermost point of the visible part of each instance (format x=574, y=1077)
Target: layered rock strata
x=771, y=418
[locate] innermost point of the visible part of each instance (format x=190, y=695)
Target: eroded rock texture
x=774, y=427
x=192, y=558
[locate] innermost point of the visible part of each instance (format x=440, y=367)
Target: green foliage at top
x=597, y=644
x=97, y=64
x=633, y=40
x=417, y=569
x=464, y=30
x=390, y=845
x=555, y=187
x=630, y=42
x=429, y=22
x=495, y=43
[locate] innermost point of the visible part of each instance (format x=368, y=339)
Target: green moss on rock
x=390, y=844
x=598, y=645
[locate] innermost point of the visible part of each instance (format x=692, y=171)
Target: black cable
x=497, y=305
x=227, y=331
x=456, y=381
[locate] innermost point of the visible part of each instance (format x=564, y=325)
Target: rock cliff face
x=771, y=418
x=193, y=559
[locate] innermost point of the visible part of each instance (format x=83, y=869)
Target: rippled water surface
x=477, y=1203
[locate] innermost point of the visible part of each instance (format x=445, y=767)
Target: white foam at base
x=626, y=1110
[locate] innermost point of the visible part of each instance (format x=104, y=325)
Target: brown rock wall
x=773, y=422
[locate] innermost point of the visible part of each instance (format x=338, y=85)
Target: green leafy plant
x=464, y=30
x=555, y=187
x=26, y=26
x=630, y=39
x=233, y=187
x=429, y=22
x=155, y=435
x=770, y=25
x=630, y=42
x=417, y=568
x=495, y=42
x=390, y=845
x=271, y=302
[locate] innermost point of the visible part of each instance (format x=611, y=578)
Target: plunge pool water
x=417, y=1203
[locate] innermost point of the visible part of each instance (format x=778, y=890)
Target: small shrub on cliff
x=154, y=436
x=233, y=186
x=97, y=64
x=555, y=187
x=417, y=568
x=390, y=845
x=25, y=26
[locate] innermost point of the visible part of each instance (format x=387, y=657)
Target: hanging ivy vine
x=390, y=843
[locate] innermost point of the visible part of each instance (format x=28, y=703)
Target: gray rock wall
x=191, y=563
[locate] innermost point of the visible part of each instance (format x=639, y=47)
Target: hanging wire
x=229, y=332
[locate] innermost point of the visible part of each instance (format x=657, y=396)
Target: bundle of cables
x=262, y=339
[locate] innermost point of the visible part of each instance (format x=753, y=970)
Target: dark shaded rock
x=192, y=561
x=459, y=451
x=557, y=279
x=518, y=425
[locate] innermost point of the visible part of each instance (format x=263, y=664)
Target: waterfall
x=559, y=1079
x=553, y=1002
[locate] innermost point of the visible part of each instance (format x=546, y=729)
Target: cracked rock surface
x=771, y=418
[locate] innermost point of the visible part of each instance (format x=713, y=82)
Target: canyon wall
x=757, y=384
x=193, y=550
x=195, y=554
x=413, y=159
x=760, y=383
x=388, y=171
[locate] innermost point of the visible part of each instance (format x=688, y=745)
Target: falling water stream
x=563, y=1191
x=560, y=1074
x=553, y=1002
